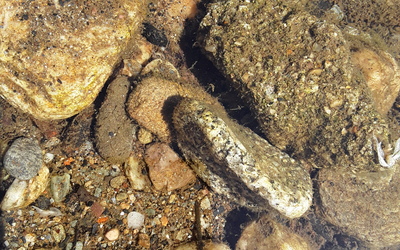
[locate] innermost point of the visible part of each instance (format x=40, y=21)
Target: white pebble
x=135, y=220
x=48, y=157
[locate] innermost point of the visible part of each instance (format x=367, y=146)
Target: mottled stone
x=60, y=186
x=238, y=163
x=152, y=101
x=57, y=56
x=23, y=159
x=321, y=93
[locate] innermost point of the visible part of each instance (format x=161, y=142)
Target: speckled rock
x=23, y=159
x=22, y=193
x=114, y=131
x=58, y=54
x=266, y=233
x=236, y=162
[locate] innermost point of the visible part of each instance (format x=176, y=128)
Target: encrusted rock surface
x=321, y=92
x=57, y=55
x=236, y=162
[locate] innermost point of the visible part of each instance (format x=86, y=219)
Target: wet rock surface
x=115, y=132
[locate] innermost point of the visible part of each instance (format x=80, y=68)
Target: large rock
x=321, y=93
x=238, y=163
x=56, y=55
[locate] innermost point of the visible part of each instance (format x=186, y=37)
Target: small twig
x=197, y=225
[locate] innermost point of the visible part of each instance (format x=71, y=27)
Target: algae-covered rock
x=364, y=204
x=56, y=55
x=152, y=101
x=238, y=163
x=320, y=93
x=296, y=73
x=266, y=233
x=115, y=132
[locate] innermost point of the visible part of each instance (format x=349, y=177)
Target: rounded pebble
x=135, y=220
x=23, y=159
x=112, y=235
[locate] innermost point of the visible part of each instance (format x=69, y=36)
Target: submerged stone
x=238, y=163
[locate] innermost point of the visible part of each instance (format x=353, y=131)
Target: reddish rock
x=166, y=169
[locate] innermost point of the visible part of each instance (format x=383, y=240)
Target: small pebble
x=48, y=157
x=58, y=233
x=117, y=181
x=60, y=186
x=135, y=220
x=121, y=196
x=112, y=235
x=79, y=245
x=23, y=159
x=144, y=240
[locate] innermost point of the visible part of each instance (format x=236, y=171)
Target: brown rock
x=115, y=132
x=144, y=241
x=363, y=204
x=166, y=169
x=152, y=102
x=266, y=233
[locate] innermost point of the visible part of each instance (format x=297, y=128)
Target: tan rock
x=266, y=233
x=152, y=102
x=133, y=170
x=167, y=170
x=382, y=76
x=58, y=56
x=207, y=245
x=22, y=193
x=112, y=235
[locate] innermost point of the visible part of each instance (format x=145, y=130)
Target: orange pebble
x=102, y=219
x=68, y=161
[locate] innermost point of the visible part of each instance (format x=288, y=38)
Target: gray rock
x=23, y=159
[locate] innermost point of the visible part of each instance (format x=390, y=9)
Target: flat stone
x=57, y=57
